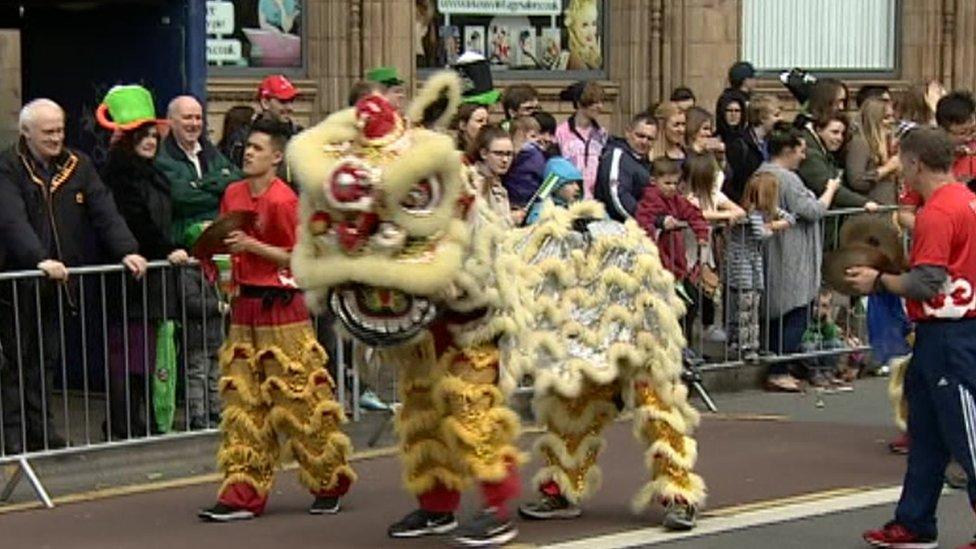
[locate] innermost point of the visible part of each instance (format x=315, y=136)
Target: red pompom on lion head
x=377, y=118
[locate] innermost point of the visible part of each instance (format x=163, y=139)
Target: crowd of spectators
x=737, y=200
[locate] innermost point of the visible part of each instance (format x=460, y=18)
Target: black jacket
x=49, y=216
x=142, y=194
x=744, y=155
x=633, y=173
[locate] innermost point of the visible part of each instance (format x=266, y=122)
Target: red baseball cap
x=277, y=86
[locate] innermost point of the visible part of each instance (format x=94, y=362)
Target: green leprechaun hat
x=129, y=107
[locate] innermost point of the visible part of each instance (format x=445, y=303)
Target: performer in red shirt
x=941, y=380
x=273, y=376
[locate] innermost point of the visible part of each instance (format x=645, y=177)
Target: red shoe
x=896, y=536
x=900, y=445
x=970, y=545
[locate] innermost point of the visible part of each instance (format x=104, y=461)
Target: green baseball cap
x=388, y=76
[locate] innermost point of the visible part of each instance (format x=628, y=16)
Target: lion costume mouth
x=381, y=317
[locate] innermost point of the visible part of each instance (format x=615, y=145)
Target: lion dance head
x=386, y=233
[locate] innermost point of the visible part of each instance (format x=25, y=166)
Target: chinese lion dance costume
x=395, y=237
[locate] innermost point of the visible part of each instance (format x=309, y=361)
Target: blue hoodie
x=563, y=172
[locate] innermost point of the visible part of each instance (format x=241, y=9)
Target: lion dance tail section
x=573, y=441
x=663, y=420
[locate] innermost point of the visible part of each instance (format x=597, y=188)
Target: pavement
x=803, y=470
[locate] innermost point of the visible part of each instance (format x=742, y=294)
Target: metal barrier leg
x=11, y=485
x=35, y=483
x=24, y=468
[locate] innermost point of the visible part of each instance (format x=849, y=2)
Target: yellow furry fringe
x=426, y=480
x=664, y=489
x=591, y=482
x=896, y=390
x=440, y=84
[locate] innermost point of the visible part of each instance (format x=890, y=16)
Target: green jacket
x=821, y=332
x=195, y=199
x=818, y=167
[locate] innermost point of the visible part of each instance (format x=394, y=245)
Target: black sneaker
x=550, y=507
x=224, y=513
x=679, y=517
x=486, y=530
x=422, y=523
x=324, y=506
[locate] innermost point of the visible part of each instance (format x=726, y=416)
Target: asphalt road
x=768, y=459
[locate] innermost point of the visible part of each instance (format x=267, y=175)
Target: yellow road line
x=800, y=498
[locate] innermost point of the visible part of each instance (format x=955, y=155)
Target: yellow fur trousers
x=274, y=383
x=453, y=426
x=572, y=444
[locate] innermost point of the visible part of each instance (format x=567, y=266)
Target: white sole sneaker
x=493, y=541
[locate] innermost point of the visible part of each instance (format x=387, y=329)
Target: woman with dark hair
x=731, y=121
x=828, y=97
x=142, y=195
x=492, y=153
x=471, y=117
x=825, y=138
x=795, y=255
x=236, y=118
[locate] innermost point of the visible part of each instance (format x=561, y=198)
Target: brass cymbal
x=211, y=241
x=837, y=262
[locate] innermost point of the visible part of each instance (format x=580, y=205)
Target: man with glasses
x=625, y=169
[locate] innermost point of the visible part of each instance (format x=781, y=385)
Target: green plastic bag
x=164, y=379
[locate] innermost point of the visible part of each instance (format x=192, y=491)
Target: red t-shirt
x=964, y=168
x=945, y=236
x=276, y=224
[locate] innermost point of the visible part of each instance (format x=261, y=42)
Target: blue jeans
x=794, y=323
x=940, y=386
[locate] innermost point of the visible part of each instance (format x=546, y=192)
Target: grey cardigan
x=795, y=256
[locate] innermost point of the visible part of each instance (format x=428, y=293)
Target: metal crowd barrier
x=85, y=365
x=81, y=375
x=709, y=345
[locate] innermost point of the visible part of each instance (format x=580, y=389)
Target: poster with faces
x=474, y=39
x=526, y=50
x=501, y=45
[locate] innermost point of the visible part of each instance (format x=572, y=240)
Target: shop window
x=822, y=35
x=255, y=34
x=521, y=38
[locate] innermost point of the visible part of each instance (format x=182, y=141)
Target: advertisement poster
x=548, y=35
x=474, y=39
x=450, y=43
x=254, y=33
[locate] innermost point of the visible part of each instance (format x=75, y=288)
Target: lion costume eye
x=423, y=197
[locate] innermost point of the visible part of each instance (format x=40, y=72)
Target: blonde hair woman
x=671, y=123
x=582, y=21
x=871, y=169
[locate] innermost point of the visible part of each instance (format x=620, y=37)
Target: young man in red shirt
x=273, y=376
x=941, y=380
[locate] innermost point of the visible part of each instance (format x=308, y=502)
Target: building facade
x=648, y=46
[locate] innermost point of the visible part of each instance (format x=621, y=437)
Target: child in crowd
x=525, y=175
x=563, y=184
x=744, y=260
x=823, y=334
x=701, y=176
x=547, y=133
x=664, y=213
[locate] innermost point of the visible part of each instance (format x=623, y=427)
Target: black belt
x=269, y=294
